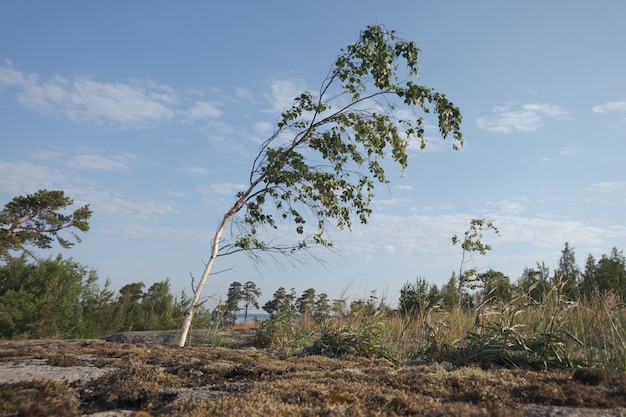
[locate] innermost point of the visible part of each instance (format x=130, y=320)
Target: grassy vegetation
x=490, y=360
x=549, y=333
x=489, y=356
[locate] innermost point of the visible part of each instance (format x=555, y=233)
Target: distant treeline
x=60, y=298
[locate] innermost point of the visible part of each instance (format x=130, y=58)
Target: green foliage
x=61, y=298
x=534, y=325
x=37, y=219
x=569, y=271
x=305, y=304
x=128, y=307
x=320, y=166
x=535, y=281
x=588, y=285
x=472, y=243
x=231, y=306
x=98, y=308
x=599, y=322
x=608, y=274
x=282, y=302
x=503, y=335
x=284, y=332
x=351, y=140
x=323, y=307
x=495, y=287
x=42, y=299
x=362, y=333
x=417, y=297
x=247, y=293
x=158, y=307
x=251, y=294
x=449, y=292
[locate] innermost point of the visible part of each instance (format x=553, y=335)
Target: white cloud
x=263, y=128
x=196, y=170
x=570, y=150
x=528, y=118
x=86, y=161
x=223, y=188
x=422, y=243
x=10, y=76
x=510, y=206
x=202, y=110
x=282, y=94
x=152, y=232
x=86, y=101
x=550, y=233
x=606, y=187
x=20, y=178
x=134, y=104
x=408, y=235
x=99, y=163
x=53, y=154
x=115, y=204
x=610, y=106
x=244, y=93
x=390, y=202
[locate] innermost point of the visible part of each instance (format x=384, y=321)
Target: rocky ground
x=142, y=374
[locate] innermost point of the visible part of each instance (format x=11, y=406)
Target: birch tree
x=319, y=167
x=472, y=243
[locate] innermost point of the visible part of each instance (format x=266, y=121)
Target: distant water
x=252, y=316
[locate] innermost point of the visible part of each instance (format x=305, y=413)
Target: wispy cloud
x=282, y=92
x=606, y=187
x=202, y=110
x=527, y=118
x=51, y=154
x=111, y=203
x=157, y=232
x=21, y=177
x=119, y=163
x=553, y=233
x=391, y=202
x=263, y=128
x=403, y=187
x=570, y=150
x=619, y=106
x=223, y=188
x=87, y=101
x=424, y=241
x=133, y=104
x=508, y=206
x=91, y=160
x=244, y=93
x=10, y=76
x=195, y=170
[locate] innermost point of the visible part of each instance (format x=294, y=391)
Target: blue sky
x=153, y=111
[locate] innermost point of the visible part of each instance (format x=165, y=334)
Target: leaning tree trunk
x=193, y=307
x=191, y=311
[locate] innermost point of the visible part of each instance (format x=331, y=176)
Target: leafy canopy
x=321, y=164
x=326, y=155
x=37, y=219
x=472, y=243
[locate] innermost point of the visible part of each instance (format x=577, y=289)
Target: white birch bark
x=191, y=311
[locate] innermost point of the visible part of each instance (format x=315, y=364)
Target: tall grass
x=549, y=333
x=600, y=326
